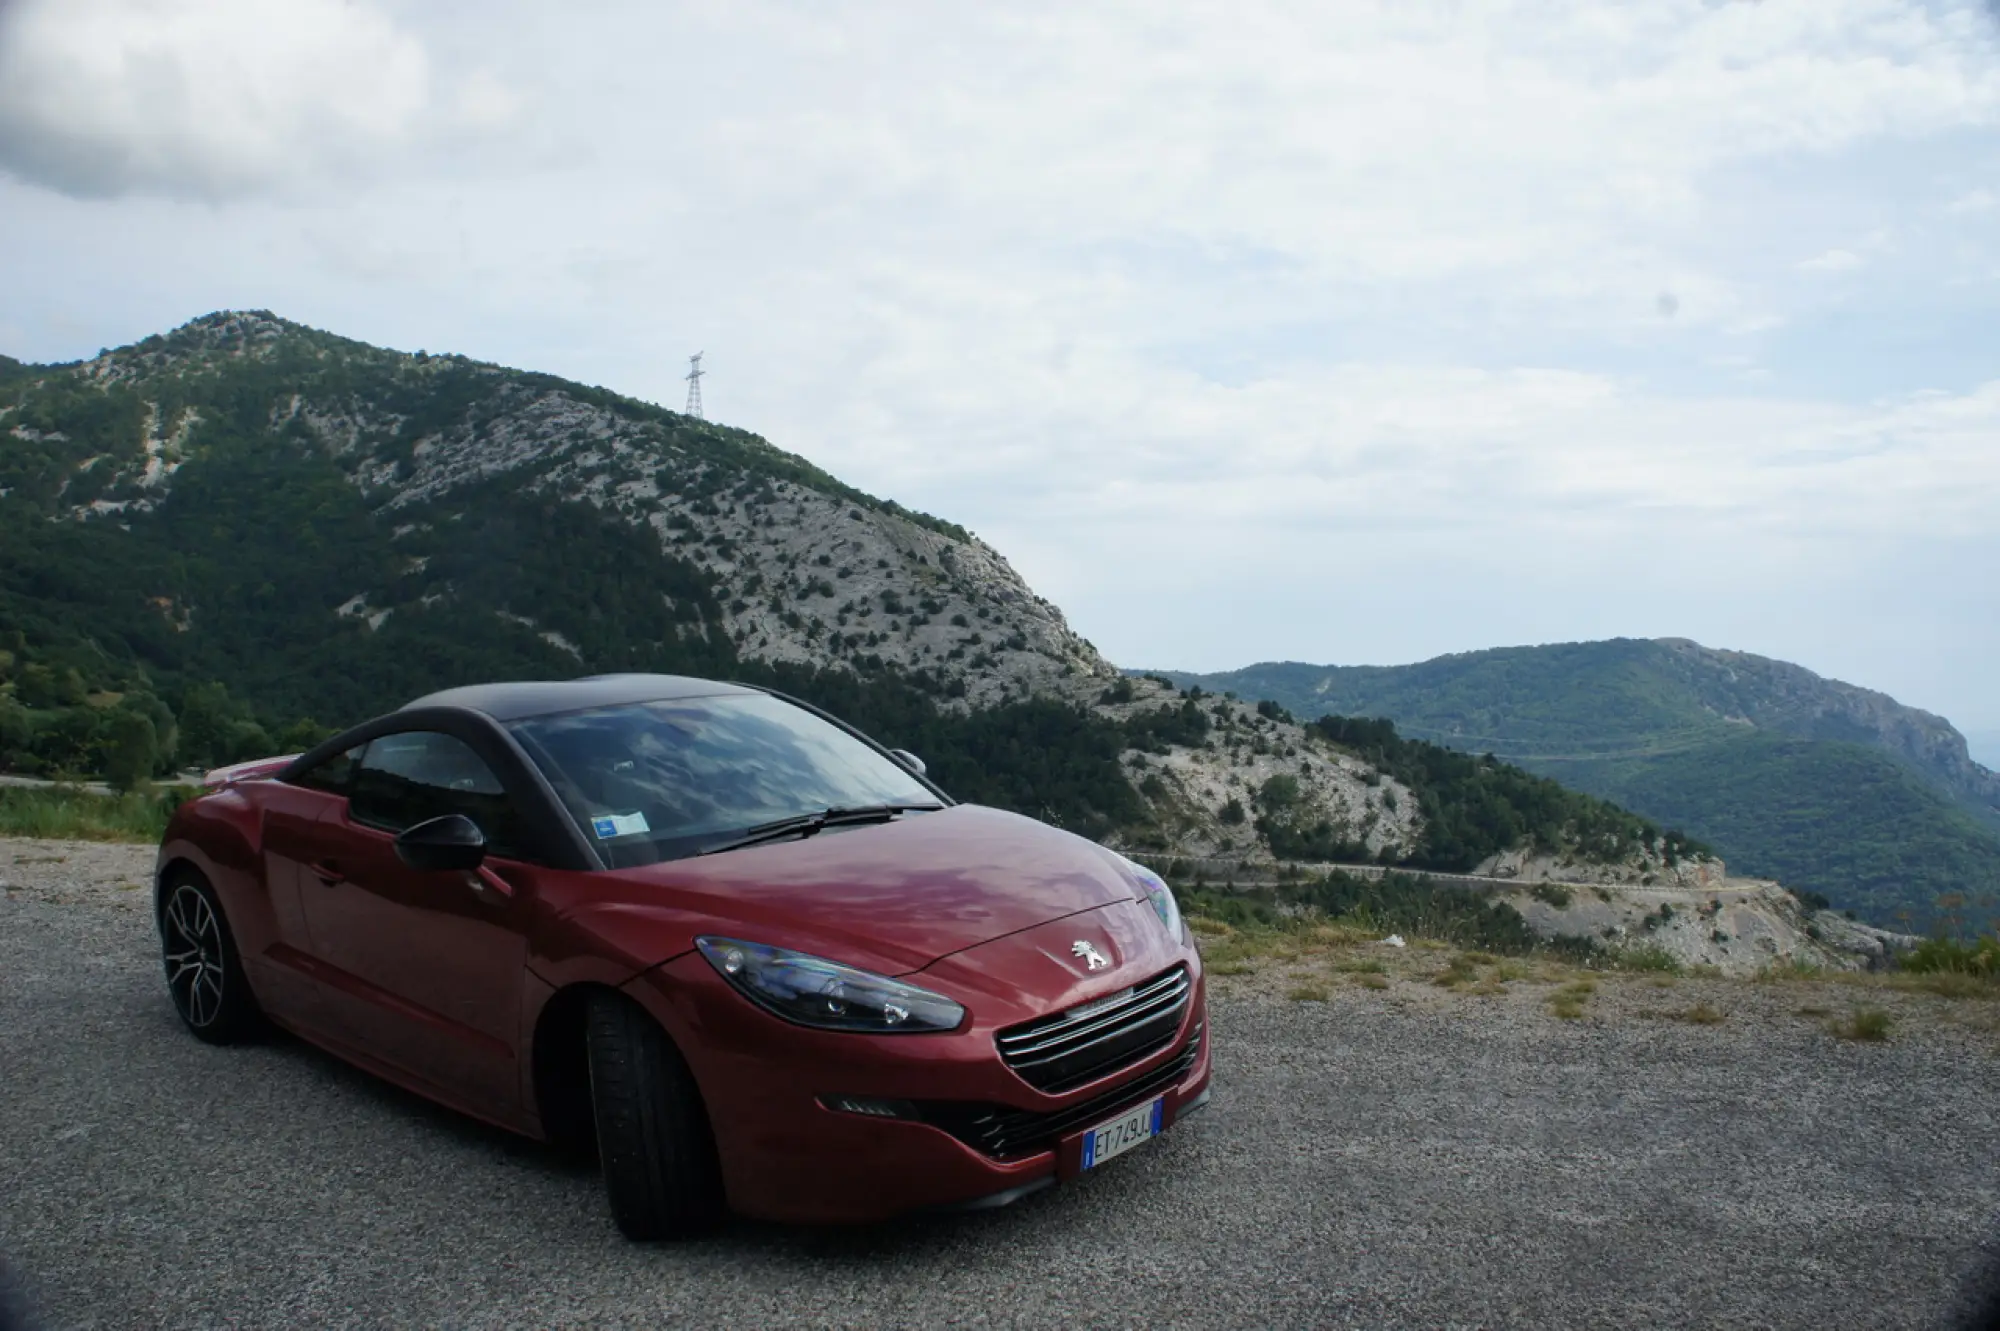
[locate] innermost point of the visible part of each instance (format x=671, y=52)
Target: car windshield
x=660, y=780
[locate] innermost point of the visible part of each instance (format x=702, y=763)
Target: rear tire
x=204, y=972
x=653, y=1140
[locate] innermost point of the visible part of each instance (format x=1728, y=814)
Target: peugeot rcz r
x=762, y=961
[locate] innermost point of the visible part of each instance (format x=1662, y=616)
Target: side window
x=404, y=779
x=331, y=774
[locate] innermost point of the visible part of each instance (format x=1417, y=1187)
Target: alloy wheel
x=194, y=956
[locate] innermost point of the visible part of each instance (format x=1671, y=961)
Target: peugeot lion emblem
x=1092, y=958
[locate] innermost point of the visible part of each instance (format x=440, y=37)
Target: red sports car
x=760, y=959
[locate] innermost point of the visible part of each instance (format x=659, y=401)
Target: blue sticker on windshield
x=619, y=824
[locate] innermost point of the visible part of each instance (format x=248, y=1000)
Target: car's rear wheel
x=653, y=1138
x=204, y=972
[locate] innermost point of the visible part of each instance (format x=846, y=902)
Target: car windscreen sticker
x=619, y=824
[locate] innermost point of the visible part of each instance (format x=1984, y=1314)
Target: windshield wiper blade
x=808, y=824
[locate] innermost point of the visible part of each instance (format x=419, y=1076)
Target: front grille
x=1001, y=1130
x=1058, y=1053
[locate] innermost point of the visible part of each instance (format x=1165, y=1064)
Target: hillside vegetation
x=230, y=540
x=1827, y=787
x=1477, y=807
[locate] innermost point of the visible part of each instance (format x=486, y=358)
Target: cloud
x=1833, y=261
x=217, y=98
x=1384, y=294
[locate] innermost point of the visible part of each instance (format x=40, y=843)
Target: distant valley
x=1828, y=787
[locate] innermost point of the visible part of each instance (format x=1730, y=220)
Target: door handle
x=327, y=872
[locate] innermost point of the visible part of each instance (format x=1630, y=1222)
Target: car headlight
x=1160, y=897
x=813, y=991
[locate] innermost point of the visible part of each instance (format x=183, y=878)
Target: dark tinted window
x=654, y=780
x=332, y=773
x=407, y=778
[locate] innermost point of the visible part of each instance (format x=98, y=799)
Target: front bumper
x=786, y=1156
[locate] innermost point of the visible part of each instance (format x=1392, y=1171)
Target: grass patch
x=1369, y=981
x=1813, y=1011
x=1701, y=1014
x=1361, y=966
x=1308, y=993
x=67, y=813
x=1792, y=968
x=1460, y=970
x=1947, y=984
x=1647, y=957
x=1567, y=1002
x=1360, y=908
x=1867, y=1023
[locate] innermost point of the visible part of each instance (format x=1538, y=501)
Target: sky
x=1335, y=331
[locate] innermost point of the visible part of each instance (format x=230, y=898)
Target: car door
x=425, y=968
x=279, y=958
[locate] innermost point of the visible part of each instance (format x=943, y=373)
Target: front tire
x=660, y=1170
x=204, y=973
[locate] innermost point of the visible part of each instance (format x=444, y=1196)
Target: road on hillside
x=1371, y=1161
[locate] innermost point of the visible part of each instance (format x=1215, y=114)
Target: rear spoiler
x=257, y=769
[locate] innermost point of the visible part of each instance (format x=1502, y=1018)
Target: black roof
x=539, y=697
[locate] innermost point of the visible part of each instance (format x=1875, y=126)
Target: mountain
x=229, y=539
x=1826, y=786
x=1984, y=745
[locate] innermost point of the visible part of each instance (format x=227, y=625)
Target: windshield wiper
x=810, y=824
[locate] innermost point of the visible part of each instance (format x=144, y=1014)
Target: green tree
x=205, y=717
x=72, y=742
x=131, y=749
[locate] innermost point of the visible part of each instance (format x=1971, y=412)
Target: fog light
x=861, y=1104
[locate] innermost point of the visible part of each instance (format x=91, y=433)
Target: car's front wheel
x=204, y=972
x=653, y=1139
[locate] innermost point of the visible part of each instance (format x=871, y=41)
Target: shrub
x=1951, y=955
x=1397, y=903
x=1279, y=792
x=70, y=814
x=1650, y=957
x=1868, y=1023
x=1553, y=894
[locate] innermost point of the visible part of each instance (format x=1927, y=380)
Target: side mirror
x=439, y=845
x=909, y=760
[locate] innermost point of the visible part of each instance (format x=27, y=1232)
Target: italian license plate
x=1121, y=1134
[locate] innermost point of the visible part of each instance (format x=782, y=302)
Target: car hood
x=891, y=897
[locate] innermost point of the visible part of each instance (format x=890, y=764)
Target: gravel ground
x=1397, y=1157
